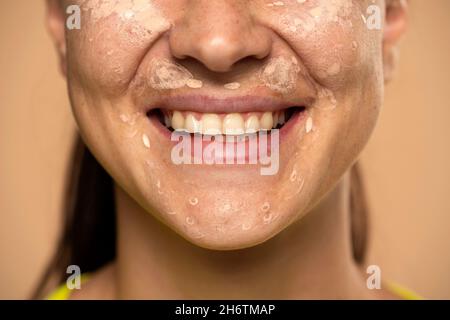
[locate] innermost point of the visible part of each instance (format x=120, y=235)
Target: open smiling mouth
x=242, y=131
x=225, y=123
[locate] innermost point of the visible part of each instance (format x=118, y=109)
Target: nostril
x=224, y=42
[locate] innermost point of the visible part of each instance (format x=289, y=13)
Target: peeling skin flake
x=146, y=141
x=327, y=100
x=323, y=12
x=309, y=125
x=194, y=83
x=280, y=74
x=293, y=176
x=268, y=218
x=193, y=201
x=232, y=86
x=142, y=12
x=164, y=75
x=265, y=207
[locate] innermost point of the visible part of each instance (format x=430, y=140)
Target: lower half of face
x=226, y=132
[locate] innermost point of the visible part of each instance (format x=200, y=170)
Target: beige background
x=406, y=163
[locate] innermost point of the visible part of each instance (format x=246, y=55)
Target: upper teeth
x=229, y=124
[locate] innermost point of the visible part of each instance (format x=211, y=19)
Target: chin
x=229, y=210
x=222, y=237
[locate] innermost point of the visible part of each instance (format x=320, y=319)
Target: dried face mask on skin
x=333, y=11
x=265, y=207
x=246, y=226
x=190, y=221
x=146, y=141
x=130, y=122
x=327, y=100
x=309, y=125
x=129, y=119
x=164, y=75
x=142, y=12
x=232, y=86
x=317, y=12
x=280, y=74
x=296, y=186
x=193, y=201
x=308, y=20
x=194, y=83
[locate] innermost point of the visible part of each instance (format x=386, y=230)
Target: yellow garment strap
x=402, y=292
x=63, y=292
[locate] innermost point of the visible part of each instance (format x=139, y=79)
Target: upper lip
x=236, y=104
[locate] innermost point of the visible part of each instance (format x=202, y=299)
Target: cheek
x=113, y=40
x=330, y=37
x=343, y=58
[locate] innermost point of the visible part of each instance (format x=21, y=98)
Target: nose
x=218, y=34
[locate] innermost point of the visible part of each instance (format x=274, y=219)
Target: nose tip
x=218, y=41
x=218, y=53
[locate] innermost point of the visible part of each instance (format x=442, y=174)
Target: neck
x=310, y=259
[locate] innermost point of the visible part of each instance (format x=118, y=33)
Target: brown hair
x=359, y=213
x=88, y=238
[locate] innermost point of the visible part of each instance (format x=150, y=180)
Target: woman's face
x=138, y=70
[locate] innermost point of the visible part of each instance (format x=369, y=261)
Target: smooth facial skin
x=218, y=59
